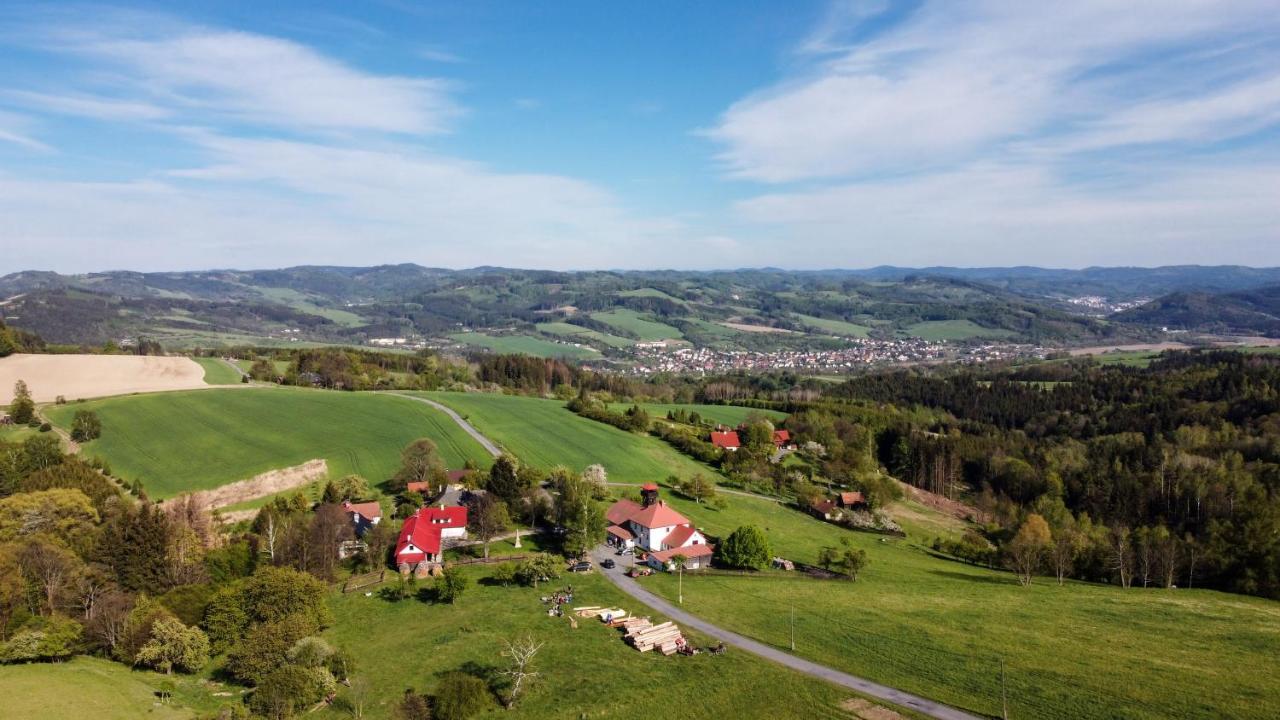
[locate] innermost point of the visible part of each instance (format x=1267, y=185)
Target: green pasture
x=88, y=687
x=835, y=327
x=181, y=441
x=577, y=333
x=940, y=628
x=217, y=372
x=635, y=323
x=587, y=672
x=544, y=433
x=525, y=344
x=954, y=330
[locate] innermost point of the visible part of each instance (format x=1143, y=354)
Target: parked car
x=608, y=564
x=583, y=566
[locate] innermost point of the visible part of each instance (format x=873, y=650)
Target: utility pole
x=1004, y=695
x=793, y=625
x=680, y=584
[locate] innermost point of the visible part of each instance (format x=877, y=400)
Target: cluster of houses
x=656, y=532
x=426, y=534
x=726, y=439
x=832, y=508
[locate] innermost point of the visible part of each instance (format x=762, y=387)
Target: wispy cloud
x=955, y=80
x=14, y=129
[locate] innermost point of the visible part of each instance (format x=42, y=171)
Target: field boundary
x=270, y=482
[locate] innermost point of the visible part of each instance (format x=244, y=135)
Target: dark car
x=608, y=564
x=583, y=566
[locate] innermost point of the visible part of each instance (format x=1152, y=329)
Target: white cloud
x=255, y=78
x=957, y=80
x=87, y=106
x=14, y=129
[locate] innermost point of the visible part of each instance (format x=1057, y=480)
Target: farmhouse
x=363, y=515
x=654, y=527
x=727, y=440
x=782, y=440
x=452, y=477
x=420, y=547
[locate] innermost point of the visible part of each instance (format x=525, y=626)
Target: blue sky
x=157, y=136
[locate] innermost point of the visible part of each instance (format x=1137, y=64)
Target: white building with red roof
x=423, y=536
x=658, y=529
x=363, y=515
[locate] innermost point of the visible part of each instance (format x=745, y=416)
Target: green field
x=723, y=414
x=303, y=303
x=87, y=687
x=577, y=333
x=217, y=372
x=525, y=344
x=633, y=322
x=940, y=628
x=835, y=327
x=954, y=330
x=587, y=672
x=181, y=441
x=16, y=433
x=544, y=433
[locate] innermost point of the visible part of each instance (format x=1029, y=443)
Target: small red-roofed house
x=782, y=439
x=363, y=515
x=727, y=440
x=424, y=534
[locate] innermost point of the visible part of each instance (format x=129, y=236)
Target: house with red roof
x=426, y=533
x=727, y=440
x=363, y=515
x=782, y=439
x=654, y=527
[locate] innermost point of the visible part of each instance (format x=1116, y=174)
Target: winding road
x=618, y=577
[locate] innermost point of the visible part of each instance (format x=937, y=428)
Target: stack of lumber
x=665, y=638
x=602, y=613
x=630, y=623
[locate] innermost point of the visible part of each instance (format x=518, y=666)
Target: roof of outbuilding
x=727, y=439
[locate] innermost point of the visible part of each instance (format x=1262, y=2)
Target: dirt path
x=470, y=429
x=264, y=484
x=71, y=447
x=919, y=704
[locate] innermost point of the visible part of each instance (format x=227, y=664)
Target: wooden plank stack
x=666, y=637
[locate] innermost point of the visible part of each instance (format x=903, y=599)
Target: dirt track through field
x=264, y=484
x=91, y=376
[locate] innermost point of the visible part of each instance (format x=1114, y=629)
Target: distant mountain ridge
x=1254, y=311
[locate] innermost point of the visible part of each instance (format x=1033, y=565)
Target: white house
x=656, y=528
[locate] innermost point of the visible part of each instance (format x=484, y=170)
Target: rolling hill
x=1247, y=312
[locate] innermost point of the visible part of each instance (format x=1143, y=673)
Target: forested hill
x=1247, y=311
x=1187, y=450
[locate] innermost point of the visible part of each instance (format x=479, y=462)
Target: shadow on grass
x=988, y=579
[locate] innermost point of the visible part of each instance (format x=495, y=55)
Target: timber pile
x=666, y=638
x=605, y=614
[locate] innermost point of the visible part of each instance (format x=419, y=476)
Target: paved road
x=921, y=705
x=470, y=429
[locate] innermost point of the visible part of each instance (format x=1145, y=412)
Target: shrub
x=460, y=696
x=174, y=646
x=450, y=585
x=52, y=638
x=288, y=689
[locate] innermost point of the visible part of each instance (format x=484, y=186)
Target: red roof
x=691, y=551
x=725, y=440
x=679, y=537
x=368, y=510
x=824, y=506
x=422, y=531
x=849, y=499
x=621, y=511
x=418, y=487
x=620, y=532
x=457, y=476
x=781, y=437
x=649, y=486
x=658, y=515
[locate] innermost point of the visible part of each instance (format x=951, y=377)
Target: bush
x=460, y=696
x=539, y=568
x=45, y=427
x=174, y=646
x=288, y=689
x=450, y=585
x=52, y=638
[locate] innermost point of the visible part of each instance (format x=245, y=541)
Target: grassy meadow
x=577, y=333
x=526, y=344
x=954, y=330
x=835, y=327
x=940, y=628
x=217, y=372
x=88, y=687
x=181, y=441
x=587, y=672
x=633, y=322
x=544, y=433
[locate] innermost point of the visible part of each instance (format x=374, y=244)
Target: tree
x=746, y=547
x=537, y=569
x=1064, y=549
x=413, y=706
x=1026, y=552
x=266, y=647
x=174, y=645
x=85, y=426
x=697, y=488
x=352, y=487
x=419, y=462
x=487, y=518
x=135, y=545
x=22, y=409
x=580, y=515
x=520, y=653
x=288, y=689
x=596, y=476
x=52, y=570
x=460, y=696
x=51, y=638
x=845, y=559
x=1121, y=551
x=450, y=585
x=66, y=516
x=506, y=481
